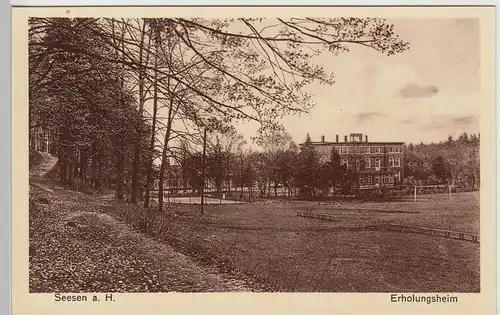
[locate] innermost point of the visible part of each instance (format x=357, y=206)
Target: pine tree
x=309, y=167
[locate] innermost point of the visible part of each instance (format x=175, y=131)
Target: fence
x=236, y=194
x=428, y=231
x=318, y=216
x=195, y=200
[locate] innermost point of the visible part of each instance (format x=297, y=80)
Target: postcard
x=237, y=160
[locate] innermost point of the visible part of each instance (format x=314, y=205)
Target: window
x=378, y=150
x=367, y=163
x=396, y=176
x=391, y=162
x=357, y=163
x=398, y=162
x=369, y=180
x=344, y=162
x=377, y=179
x=361, y=181
x=390, y=149
x=377, y=162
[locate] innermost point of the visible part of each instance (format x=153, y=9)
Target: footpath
x=76, y=247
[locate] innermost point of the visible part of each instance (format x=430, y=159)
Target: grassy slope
x=302, y=254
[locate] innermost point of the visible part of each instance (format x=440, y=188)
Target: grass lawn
x=268, y=241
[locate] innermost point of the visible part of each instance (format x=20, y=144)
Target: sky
x=424, y=94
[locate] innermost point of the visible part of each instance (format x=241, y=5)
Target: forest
x=123, y=102
x=117, y=101
x=451, y=161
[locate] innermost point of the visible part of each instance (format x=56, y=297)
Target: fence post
x=415, y=194
x=203, y=170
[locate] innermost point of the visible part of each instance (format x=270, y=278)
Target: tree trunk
x=119, y=175
x=93, y=165
x=162, y=179
x=137, y=155
x=62, y=167
x=164, y=158
x=75, y=165
x=98, y=177
x=83, y=165
x=63, y=161
x=149, y=180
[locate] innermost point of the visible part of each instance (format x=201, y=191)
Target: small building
x=380, y=164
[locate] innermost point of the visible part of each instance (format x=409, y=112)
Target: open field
x=268, y=241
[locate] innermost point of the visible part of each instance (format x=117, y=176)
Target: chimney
x=366, y=138
x=322, y=138
x=345, y=138
x=336, y=138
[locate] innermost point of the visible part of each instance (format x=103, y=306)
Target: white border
x=246, y=3
x=5, y=107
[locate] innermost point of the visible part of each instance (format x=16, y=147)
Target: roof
x=356, y=143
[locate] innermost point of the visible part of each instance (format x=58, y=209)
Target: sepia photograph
x=254, y=154
x=164, y=152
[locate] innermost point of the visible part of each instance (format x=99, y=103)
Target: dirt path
x=46, y=164
x=75, y=247
x=89, y=251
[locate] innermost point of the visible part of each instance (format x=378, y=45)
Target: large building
x=379, y=164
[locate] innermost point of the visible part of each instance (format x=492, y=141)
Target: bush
x=374, y=193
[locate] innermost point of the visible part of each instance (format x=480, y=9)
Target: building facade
x=378, y=164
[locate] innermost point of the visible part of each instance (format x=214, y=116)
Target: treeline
x=455, y=162
x=278, y=164
x=82, y=105
x=114, y=98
